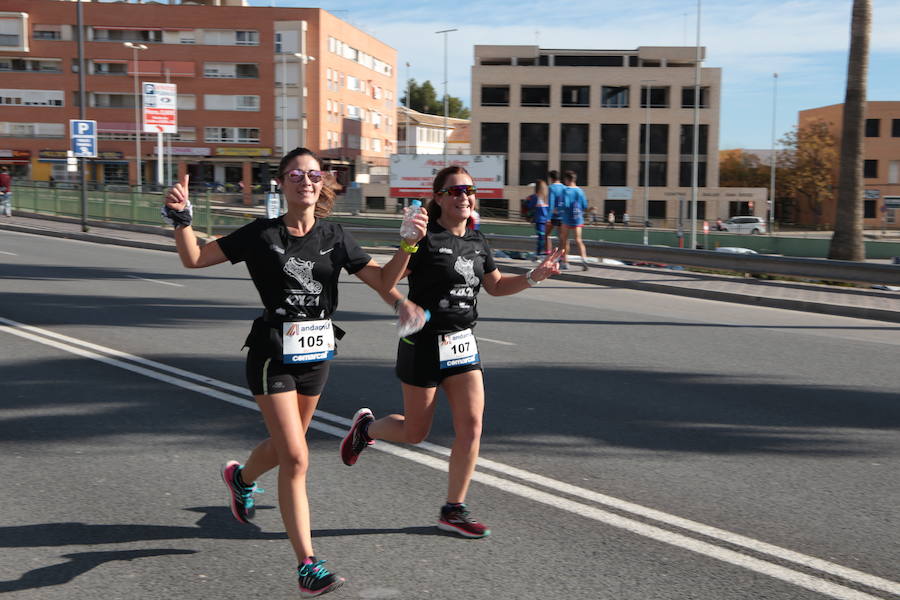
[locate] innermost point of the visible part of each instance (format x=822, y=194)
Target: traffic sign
x=160, y=107
x=83, y=136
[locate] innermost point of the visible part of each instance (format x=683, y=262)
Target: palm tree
x=847, y=242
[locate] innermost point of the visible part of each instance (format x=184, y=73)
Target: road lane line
x=65, y=343
x=10, y=253
x=155, y=281
x=502, y=343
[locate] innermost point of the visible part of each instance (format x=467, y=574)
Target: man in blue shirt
x=572, y=215
x=555, y=200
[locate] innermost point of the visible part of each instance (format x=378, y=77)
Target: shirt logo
x=301, y=270
x=277, y=249
x=445, y=250
x=466, y=269
x=324, y=252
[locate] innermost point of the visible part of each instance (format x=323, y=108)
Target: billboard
x=160, y=107
x=412, y=174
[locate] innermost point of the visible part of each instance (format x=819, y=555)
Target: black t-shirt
x=296, y=277
x=446, y=274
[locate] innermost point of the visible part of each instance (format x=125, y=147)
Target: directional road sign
x=84, y=137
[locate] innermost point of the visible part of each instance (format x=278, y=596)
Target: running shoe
x=563, y=266
x=455, y=518
x=356, y=440
x=240, y=497
x=314, y=579
x=584, y=266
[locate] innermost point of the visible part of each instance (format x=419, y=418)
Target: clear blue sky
x=804, y=41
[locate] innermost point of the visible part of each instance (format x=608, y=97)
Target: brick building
x=881, y=164
x=239, y=72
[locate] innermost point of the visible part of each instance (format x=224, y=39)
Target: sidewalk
x=833, y=300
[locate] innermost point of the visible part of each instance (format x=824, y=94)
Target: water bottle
x=407, y=229
x=405, y=328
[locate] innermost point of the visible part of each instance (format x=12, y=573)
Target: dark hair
x=326, y=197
x=434, y=210
x=553, y=175
x=570, y=176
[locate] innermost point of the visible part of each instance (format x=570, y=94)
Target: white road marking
x=9, y=253
x=817, y=584
x=156, y=281
x=501, y=342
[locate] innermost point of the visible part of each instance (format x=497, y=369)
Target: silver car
x=752, y=225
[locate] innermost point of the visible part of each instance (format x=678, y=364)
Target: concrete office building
x=881, y=164
x=241, y=92
x=586, y=111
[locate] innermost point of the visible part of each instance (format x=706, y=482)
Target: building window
x=614, y=138
x=494, y=138
x=46, y=34
x=614, y=97
x=535, y=95
x=231, y=70
x=579, y=167
x=246, y=38
x=659, y=139
x=869, y=210
x=895, y=127
x=658, y=97
x=613, y=172
x=589, y=60
x=573, y=138
x=495, y=95
x=686, y=175
x=656, y=209
x=532, y=170
x=576, y=95
x=873, y=127
x=107, y=68
x=687, y=139
x=658, y=173
x=17, y=97
x=30, y=65
x=127, y=35
x=108, y=100
x=42, y=130
x=534, y=137
x=870, y=169
x=687, y=97
x=234, y=135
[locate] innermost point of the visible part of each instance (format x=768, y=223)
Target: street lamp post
x=446, y=100
x=774, y=160
x=137, y=112
x=647, y=87
x=695, y=162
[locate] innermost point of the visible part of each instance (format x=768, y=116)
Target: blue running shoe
x=240, y=497
x=314, y=579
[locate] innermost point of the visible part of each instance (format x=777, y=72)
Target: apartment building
x=252, y=83
x=587, y=111
x=881, y=164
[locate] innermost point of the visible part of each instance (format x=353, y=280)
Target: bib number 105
x=307, y=341
x=457, y=349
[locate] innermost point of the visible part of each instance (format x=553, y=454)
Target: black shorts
x=268, y=375
x=556, y=222
x=418, y=361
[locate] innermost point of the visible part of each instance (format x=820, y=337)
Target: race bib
x=307, y=341
x=457, y=349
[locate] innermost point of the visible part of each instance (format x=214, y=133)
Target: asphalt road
x=637, y=445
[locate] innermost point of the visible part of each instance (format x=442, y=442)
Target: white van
x=752, y=225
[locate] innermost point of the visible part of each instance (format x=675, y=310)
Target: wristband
x=407, y=247
x=178, y=218
x=531, y=282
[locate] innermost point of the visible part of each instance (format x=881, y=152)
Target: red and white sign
x=412, y=174
x=160, y=107
x=705, y=226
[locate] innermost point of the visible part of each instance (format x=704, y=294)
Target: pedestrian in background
x=555, y=201
x=539, y=213
x=611, y=219
x=572, y=213
x=5, y=191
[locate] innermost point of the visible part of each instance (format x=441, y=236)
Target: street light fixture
x=137, y=111
x=774, y=160
x=646, y=95
x=446, y=101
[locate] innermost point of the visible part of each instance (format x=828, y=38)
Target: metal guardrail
x=805, y=268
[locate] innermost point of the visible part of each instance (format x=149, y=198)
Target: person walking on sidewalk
x=572, y=212
x=539, y=213
x=445, y=277
x=295, y=261
x=5, y=191
x=555, y=202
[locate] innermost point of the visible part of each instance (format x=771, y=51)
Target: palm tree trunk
x=847, y=242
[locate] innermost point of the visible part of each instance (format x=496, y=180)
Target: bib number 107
x=457, y=349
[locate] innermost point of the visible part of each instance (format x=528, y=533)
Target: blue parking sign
x=83, y=134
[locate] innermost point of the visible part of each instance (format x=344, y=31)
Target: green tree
x=808, y=162
x=847, y=241
x=424, y=98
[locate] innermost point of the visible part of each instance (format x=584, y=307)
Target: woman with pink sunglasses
x=447, y=270
x=295, y=261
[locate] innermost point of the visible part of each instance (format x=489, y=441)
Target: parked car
x=752, y=225
x=735, y=250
